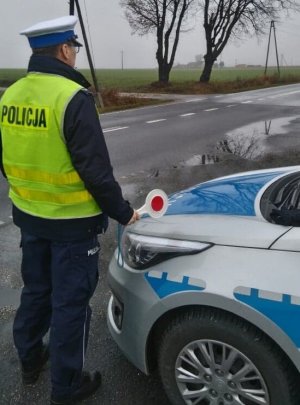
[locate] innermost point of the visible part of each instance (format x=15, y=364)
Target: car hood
x=240, y=231
x=230, y=195
x=223, y=211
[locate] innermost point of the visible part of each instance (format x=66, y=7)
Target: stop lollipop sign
x=156, y=204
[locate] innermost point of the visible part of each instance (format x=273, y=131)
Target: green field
x=131, y=79
x=181, y=79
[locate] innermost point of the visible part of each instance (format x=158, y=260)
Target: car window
x=283, y=194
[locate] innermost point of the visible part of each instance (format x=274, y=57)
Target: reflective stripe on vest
x=37, y=175
x=59, y=198
x=43, y=181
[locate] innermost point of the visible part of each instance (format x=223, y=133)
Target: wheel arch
x=191, y=301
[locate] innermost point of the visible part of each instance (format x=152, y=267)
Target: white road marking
x=194, y=100
x=211, y=109
x=219, y=96
x=187, y=115
x=135, y=109
x=260, y=99
x=1, y=222
x=154, y=121
x=284, y=94
x=231, y=105
x=113, y=129
x=247, y=102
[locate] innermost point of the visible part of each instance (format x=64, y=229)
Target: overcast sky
x=111, y=34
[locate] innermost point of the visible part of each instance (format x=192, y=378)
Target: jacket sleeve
x=1, y=157
x=87, y=147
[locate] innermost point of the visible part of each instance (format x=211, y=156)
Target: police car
x=210, y=293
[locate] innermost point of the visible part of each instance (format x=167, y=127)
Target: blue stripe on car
x=164, y=287
x=227, y=196
x=284, y=313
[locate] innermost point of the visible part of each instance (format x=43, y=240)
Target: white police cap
x=52, y=32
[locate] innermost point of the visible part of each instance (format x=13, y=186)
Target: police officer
x=62, y=187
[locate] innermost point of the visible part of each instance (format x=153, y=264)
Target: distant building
x=198, y=63
x=244, y=66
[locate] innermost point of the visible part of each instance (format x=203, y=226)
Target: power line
x=288, y=32
x=295, y=25
x=90, y=37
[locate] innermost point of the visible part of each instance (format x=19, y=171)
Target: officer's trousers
x=59, y=280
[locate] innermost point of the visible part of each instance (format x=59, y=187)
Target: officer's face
x=68, y=52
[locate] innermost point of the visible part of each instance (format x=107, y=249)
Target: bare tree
x=226, y=18
x=163, y=17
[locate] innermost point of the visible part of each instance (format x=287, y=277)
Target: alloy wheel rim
x=210, y=372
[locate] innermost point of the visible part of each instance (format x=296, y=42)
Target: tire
x=221, y=346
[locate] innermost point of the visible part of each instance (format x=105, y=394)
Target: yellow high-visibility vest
x=43, y=181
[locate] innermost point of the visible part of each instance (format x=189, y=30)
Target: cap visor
x=76, y=43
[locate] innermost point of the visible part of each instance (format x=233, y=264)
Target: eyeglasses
x=72, y=45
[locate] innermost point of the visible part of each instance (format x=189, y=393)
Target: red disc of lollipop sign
x=156, y=204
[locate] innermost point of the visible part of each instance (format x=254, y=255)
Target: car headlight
x=141, y=252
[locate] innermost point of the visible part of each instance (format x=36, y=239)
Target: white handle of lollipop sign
x=156, y=204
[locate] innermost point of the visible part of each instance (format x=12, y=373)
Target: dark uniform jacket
x=88, y=151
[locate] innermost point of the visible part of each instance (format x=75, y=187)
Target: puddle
x=197, y=160
x=277, y=126
x=249, y=142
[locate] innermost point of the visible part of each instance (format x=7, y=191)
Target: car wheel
x=210, y=357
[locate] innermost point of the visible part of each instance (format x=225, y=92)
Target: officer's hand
x=135, y=217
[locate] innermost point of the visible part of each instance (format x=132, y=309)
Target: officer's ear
x=66, y=54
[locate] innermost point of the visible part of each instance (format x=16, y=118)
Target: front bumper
x=132, y=310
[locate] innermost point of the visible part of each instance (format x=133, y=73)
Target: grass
x=8, y=76
x=113, y=101
x=134, y=79
x=187, y=80
x=182, y=81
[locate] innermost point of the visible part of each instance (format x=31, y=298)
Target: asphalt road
x=165, y=135
x=149, y=147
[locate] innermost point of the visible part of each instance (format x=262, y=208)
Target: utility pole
x=74, y=3
x=122, y=59
x=272, y=26
x=72, y=6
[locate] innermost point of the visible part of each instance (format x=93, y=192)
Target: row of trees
x=221, y=20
